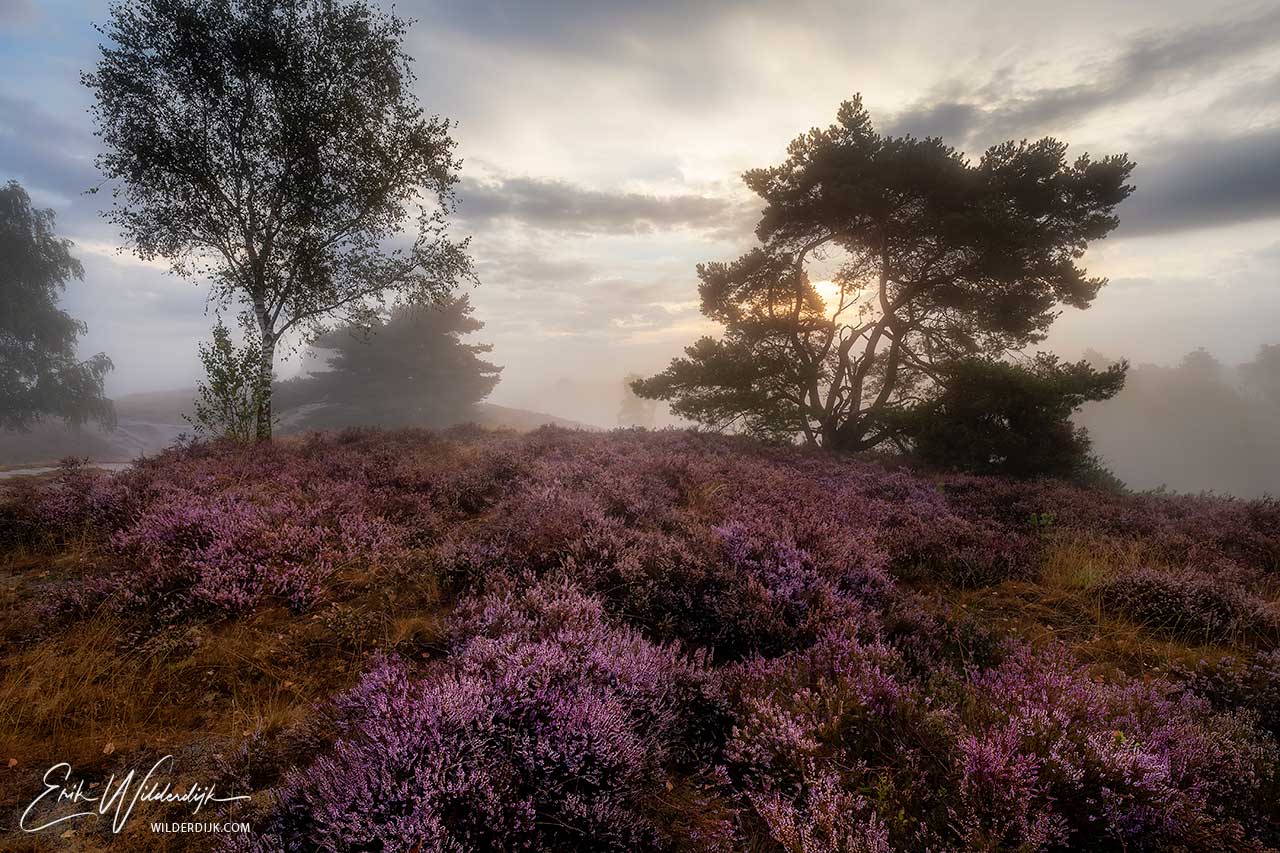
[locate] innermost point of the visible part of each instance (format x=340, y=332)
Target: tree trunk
x=829, y=434
x=849, y=435
x=266, y=372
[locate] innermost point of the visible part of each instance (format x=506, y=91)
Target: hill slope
x=150, y=422
x=576, y=641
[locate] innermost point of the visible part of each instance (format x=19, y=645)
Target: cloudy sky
x=604, y=143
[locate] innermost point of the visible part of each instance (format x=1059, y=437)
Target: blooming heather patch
x=1077, y=758
x=548, y=729
x=1197, y=529
x=1193, y=605
x=1251, y=687
x=222, y=529
x=674, y=641
x=825, y=817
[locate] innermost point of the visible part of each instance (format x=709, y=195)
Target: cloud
x=593, y=27
x=16, y=12
x=561, y=206
x=677, y=50
x=529, y=267
x=542, y=291
x=49, y=157
x=1269, y=255
x=1149, y=63
x=1206, y=182
x=1194, y=182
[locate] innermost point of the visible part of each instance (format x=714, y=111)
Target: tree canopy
x=40, y=374
x=939, y=260
x=275, y=148
x=999, y=417
x=411, y=369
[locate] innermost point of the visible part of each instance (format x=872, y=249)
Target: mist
x=1194, y=426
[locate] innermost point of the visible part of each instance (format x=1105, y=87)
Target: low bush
x=1191, y=605
x=548, y=729
x=1246, y=686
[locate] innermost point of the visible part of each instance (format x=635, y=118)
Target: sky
x=604, y=142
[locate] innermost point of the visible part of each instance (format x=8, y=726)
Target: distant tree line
x=1195, y=425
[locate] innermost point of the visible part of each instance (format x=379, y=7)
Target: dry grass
x=1074, y=563
x=1064, y=605
x=107, y=697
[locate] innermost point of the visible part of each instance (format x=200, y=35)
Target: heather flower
x=549, y=729
x=1136, y=763
x=1001, y=799
x=1244, y=686
x=840, y=709
x=824, y=818
x=1189, y=604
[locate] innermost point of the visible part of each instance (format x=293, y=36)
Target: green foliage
x=276, y=149
x=1042, y=521
x=994, y=417
x=410, y=369
x=227, y=402
x=40, y=375
x=943, y=260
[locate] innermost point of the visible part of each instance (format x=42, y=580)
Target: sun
x=830, y=293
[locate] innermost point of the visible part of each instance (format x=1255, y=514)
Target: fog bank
x=1200, y=425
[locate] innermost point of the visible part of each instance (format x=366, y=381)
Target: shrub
x=1189, y=604
x=1077, y=758
x=549, y=729
x=823, y=818
x=994, y=417
x=1248, y=686
x=827, y=723
x=226, y=404
x=1033, y=753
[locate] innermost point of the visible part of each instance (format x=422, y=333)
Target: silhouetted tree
x=635, y=411
x=944, y=260
x=1262, y=375
x=276, y=146
x=1201, y=366
x=411, y=370
x=995, y=417
x=40, y=375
